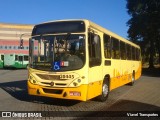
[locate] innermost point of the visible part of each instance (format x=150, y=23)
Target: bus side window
x=133, y=53
x=129, y=52
x=16, y=57
x=94, y=50
x=20, y=58
x=137, y=54
x=123, y=50
x=107, y=46
x=115, y=49
x=26, y=58
x=2, y=57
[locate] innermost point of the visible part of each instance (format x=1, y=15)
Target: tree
x=144, y=25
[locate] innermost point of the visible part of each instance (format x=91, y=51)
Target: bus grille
x=49, y=77
x=58, y=84
x=52, y=91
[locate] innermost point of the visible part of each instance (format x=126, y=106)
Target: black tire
x=132, y=79
x=105, y=91
x=27, y=66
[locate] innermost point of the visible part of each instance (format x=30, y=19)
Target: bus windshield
x=57, y=52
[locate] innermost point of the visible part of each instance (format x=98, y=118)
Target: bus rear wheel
x=105, y=91
x=132, y=79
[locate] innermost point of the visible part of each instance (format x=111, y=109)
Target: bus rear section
x=9, y=60
x=15, y=61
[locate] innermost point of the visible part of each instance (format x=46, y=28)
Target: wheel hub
x=105, y=90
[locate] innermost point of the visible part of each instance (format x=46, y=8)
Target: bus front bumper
x=75, y=93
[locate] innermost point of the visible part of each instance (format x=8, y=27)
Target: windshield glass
x=57, y=52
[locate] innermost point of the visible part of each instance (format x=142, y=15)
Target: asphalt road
x=141, y=99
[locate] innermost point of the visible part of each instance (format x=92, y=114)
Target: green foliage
x=144, y=26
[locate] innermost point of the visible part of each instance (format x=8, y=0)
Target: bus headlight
x=32, y=80
x=79, y=80
x=76, y=83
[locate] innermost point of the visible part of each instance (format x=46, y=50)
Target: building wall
x=10, y=37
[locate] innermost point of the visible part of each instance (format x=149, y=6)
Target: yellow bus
x=79, y=60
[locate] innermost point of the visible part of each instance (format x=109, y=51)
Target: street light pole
x=21, y=40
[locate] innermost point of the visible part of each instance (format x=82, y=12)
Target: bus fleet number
x=66, y=76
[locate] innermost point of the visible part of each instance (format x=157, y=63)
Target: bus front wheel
x=105, y=91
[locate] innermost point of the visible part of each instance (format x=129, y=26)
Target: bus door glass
x=95, y=67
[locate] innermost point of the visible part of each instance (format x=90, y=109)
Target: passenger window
x=137, y=54
x=115, y=49
x=16, y=57
x=26, y=58
x=129, y=52
x=107, y=46
x=123, y=50
x=20, y=58
x=94, y=50
x=2, y=57
x=133, y=53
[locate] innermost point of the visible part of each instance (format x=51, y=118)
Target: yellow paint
x=32, y=90
x=94, y=89
x=120, y=73
x=124, y=78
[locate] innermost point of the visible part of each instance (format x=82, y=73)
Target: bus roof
x=98, y=27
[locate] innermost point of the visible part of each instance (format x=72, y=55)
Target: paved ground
x=143, y=96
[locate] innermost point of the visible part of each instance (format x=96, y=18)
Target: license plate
x=74, y=93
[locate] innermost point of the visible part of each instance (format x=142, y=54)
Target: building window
x=14, y=47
